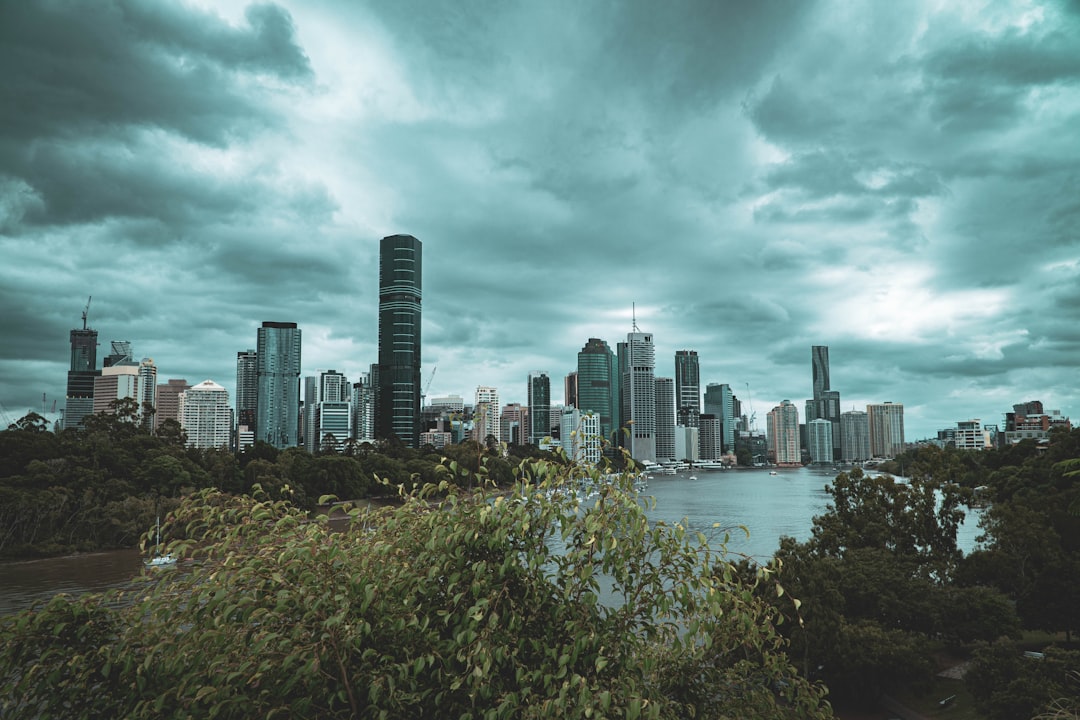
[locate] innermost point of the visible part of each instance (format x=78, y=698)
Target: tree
x=453, y=604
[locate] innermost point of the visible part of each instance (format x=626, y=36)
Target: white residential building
x=206, y=416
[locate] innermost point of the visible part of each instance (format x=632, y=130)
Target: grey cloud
x=787, y=114
x=74, y=66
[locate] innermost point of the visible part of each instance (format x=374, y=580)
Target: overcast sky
x=898, y=181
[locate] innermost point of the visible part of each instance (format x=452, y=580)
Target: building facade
x=825, y=404
x=79, y=400
x=710, y=437
x=854, y=437
x=539, y=398
x=720, y=402
x=886, y=423
x=581, y=439
x=247, y=388
x=598, y=386
x=398, y=389
x=168, y=401
x=116, y=382
x=782, y=428
x=819, y=437
x=206, y=416
x=687, y=388
x=486, y=414
x=277, y=419
x=147, y=393
x=665, y=419
x=637, y=365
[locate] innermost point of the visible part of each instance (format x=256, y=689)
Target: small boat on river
x=159, y=560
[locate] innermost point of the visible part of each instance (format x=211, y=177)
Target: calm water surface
x=769, y=506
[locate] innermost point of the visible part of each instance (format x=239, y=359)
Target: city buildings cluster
x=612, y=399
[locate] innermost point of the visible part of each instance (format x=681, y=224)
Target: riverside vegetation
x=451, y=602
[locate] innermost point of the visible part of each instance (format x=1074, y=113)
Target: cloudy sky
x=898, y=181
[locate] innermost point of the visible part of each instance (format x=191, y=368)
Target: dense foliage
x=453, y=604
x=100, y=487
x=883, y=586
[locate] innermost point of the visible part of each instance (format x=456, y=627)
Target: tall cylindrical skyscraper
x=397, y=393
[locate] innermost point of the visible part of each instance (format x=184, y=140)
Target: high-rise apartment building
x=539, y=399
x=80, y=380
x=363, y=408
x=854, y=437
x=277, y=419
x=397, y=390
x=247, y=388
x=710, y=437
x=581, y=436
x=687, y=388
x=720, y=403
x=783, y=434
x=514, y=424
x=168, y=401
x=665, y=419
x=637, y=365
x=819, y=436
x=206, y=416
x=886, y=423
x=147, y=393
x=327, y=411
x=486, y=414
x=598, y=386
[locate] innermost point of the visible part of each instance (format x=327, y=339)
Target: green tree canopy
x=454, y=604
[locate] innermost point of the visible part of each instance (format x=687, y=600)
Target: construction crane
x=427, y=386
x=86, y=311
x=753, y=416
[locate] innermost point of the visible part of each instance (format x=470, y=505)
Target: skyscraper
x=247, y=388
x=819, y=362
x=597, y=385
x=687, y=388
x=328, y=414
x=363, y=408
x=486, y=414
x=826, y=402
x=147, y=395
x=854, y=436
x=665, y=419
x=819, y=435
x=783, y=433
x=886, y=422
x=206, y=416
x=397, y=393
x=168, y=401
x=80, y=380
x=570, y=390
x=637, y=364
x=277, y=418
x=539, y=407
x=720, y=403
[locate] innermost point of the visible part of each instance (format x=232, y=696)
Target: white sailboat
x=159, y=560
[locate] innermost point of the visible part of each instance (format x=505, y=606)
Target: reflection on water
x=768, y=506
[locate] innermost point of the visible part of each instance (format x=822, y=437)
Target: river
x=769, y=506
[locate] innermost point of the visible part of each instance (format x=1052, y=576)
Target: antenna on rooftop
x=633, y=316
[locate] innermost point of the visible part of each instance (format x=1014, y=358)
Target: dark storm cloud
x=94, y=94
x=74, y=67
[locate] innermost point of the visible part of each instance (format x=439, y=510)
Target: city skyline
x=757, y=179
